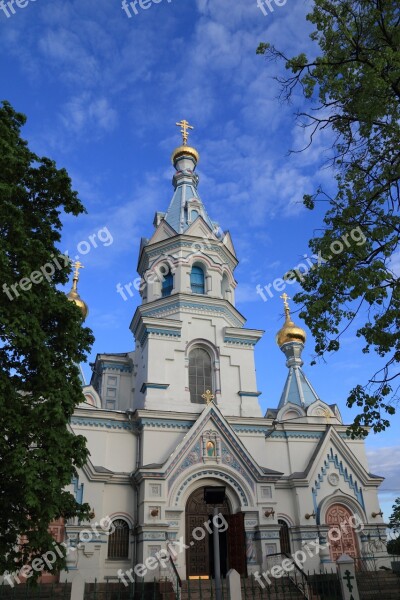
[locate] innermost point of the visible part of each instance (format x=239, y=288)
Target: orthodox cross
x=77, y=265
x=184, y=125
x=285, y=299
x=348, y=577
x=208, y=396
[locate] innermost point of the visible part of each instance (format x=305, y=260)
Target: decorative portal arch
x=342, y=536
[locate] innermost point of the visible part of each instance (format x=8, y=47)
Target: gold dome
x=73, y=295
x=289, y=332
x=185, y=150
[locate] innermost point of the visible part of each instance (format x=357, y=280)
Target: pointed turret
x=291, y=338
x=186, y=204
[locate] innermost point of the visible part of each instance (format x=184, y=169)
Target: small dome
x=73, y=296
x=185, y=151
x=290, y=333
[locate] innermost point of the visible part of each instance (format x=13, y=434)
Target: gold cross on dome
x=77, y=265
x=285, y=299
x=208, y=396
x=184, y=125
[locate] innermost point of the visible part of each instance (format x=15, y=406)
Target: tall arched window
x=200, y=374
x=167, y=284
x=225, y=287
x=197, y=280
x=118, y=541
x=284, y=537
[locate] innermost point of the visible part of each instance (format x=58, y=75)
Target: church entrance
x=199, y=524
x=342, y=537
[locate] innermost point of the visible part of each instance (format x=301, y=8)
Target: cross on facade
x=184, y=125
x=348, y=577
x=208, y=396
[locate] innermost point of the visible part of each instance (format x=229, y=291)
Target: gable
x=199, y=228
x=163, y=232
x=227, y=241
x=228, y=453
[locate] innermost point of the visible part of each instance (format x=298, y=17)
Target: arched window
x=167, y=284
x=200, y=374
x=193, y=215
x=118, y=540
x=284, y=537
x=197, y=280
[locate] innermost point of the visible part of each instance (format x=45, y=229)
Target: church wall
x=158, y=444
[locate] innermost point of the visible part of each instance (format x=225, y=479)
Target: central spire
x=186, y=205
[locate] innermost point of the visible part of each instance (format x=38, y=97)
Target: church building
x=180, y=413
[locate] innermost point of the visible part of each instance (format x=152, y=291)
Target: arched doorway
x=342, y=536
x=199, y=532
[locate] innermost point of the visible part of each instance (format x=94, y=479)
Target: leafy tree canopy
x=41, y=342
x=353, y=89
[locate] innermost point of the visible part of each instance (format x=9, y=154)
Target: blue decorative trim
x=256, y=394
x=154, y=386
x=107, y=423
x=186, y=304
x=78, y=490
x=266, y=535
x=117, y=367
x=252, y=428
x=179, y=243
x=353, y=485
x=240, y=341
x=164, y=332
x=297, y=434
x=166, y=423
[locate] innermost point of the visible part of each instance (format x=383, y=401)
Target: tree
x=41, y=342
x=393, y=545
x=353, y=89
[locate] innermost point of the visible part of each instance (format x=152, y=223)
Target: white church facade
x=180, y=412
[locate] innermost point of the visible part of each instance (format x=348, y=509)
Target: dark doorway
x=284, y=537
x=200, y=554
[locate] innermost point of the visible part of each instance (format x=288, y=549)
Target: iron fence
x=40, y=591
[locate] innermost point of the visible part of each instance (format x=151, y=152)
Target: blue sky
x=103, y=92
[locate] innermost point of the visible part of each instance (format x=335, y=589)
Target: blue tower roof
x=186, y=204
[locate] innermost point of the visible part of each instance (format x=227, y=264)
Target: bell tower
x=190, y=338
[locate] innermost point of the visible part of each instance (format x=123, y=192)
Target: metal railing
x=40, y=591
x=297, y=576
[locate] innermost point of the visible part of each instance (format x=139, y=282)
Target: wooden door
x=198, y=555
x=343, y=538
x=237, y=543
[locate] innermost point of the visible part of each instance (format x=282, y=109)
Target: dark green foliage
x=41, y=342
x=353, y=88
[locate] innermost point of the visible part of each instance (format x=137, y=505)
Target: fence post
x=347, y=576
x=234, y=585
x=78, y=587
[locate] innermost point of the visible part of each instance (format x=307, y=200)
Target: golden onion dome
x=289, y=332
x=185, y=151
x=73, y=295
